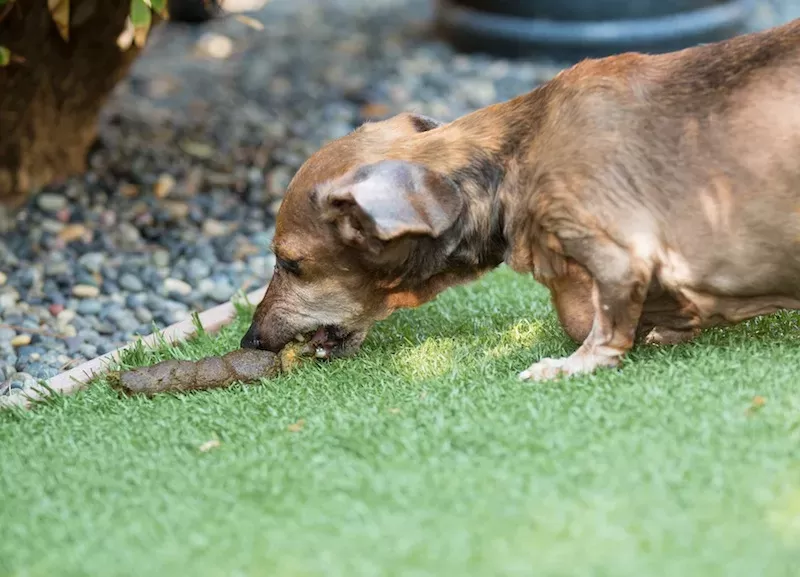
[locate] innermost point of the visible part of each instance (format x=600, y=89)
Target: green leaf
x=158, y=6
x=5, y=54
x=59, y=11
x=4, y=2
x=140, y=13
x=141, y=17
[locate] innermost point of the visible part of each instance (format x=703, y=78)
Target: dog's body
x=653, y=195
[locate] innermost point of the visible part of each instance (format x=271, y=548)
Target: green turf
x=425, y=456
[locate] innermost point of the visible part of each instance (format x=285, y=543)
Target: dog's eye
x=290, y=266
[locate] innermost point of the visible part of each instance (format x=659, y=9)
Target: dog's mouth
x=330, y=341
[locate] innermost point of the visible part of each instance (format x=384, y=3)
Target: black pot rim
x=670, y=28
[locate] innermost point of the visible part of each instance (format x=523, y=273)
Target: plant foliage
x=137, y=26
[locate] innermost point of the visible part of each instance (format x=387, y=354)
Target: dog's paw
x=549, y=369
x=546, y=369
x=664, y=336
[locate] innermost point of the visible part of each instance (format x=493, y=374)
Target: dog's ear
x=423, y=123
x=384, y=201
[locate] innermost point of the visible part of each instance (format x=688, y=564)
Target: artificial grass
x=425, y=456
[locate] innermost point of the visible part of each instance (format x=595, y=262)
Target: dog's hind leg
x=620, y=285
x=666, y=320
x=666, y=336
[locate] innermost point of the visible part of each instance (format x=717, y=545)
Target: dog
x=653, y=195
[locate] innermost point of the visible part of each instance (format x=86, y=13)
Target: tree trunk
x=49, y=103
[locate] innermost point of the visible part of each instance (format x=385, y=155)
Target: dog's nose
x=250, y=340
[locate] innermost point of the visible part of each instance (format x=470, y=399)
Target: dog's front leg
x=620, y=283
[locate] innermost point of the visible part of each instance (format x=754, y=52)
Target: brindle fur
x=653, y=195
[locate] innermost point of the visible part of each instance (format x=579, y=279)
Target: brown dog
x=653, y=195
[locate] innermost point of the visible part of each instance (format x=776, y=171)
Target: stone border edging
x=78, y=377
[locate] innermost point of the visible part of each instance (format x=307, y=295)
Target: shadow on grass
x=511, y=338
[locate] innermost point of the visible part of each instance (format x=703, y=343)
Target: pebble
x=22, y=381
x=102, y=327
x=52, y=226
x=123, y=319
x=197, y=269
x=222, y=291
x=215, y=45
x=40, y=370
x=205, y=286
x=200, y=150
x=104, y=348
x=56, y=268
x=109, y=271
x=85, y=278
x=164, y=186
x=128, y=190
x=136, y=300
x=21, y=340
x=214, y=228
x=161, y=258
x=51, y=202
x=174, y=285
x=28, y=353
x=65, y=317
x=73, y=232
x=89, y=307
x=73, y=343
x=107, y=219
x=143, y=315
x=262, y=264
x=131, y=283
x=129, y=235
x=27, y=278
x=87, y=350
x=85, y=291
x=278, y=180
x=176, y=210
x=92, y=261
x=6, y=334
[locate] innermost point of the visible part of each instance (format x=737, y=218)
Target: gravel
x=176, y=210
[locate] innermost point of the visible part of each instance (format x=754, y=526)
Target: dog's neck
x=480, y=153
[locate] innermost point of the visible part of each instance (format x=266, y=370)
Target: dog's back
x=694, y=152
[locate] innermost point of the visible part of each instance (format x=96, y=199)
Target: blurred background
x=174, y=211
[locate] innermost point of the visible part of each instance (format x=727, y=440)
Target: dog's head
x=359, y=234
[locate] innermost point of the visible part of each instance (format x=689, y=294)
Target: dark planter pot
x=576, y=29
x=193, y=11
